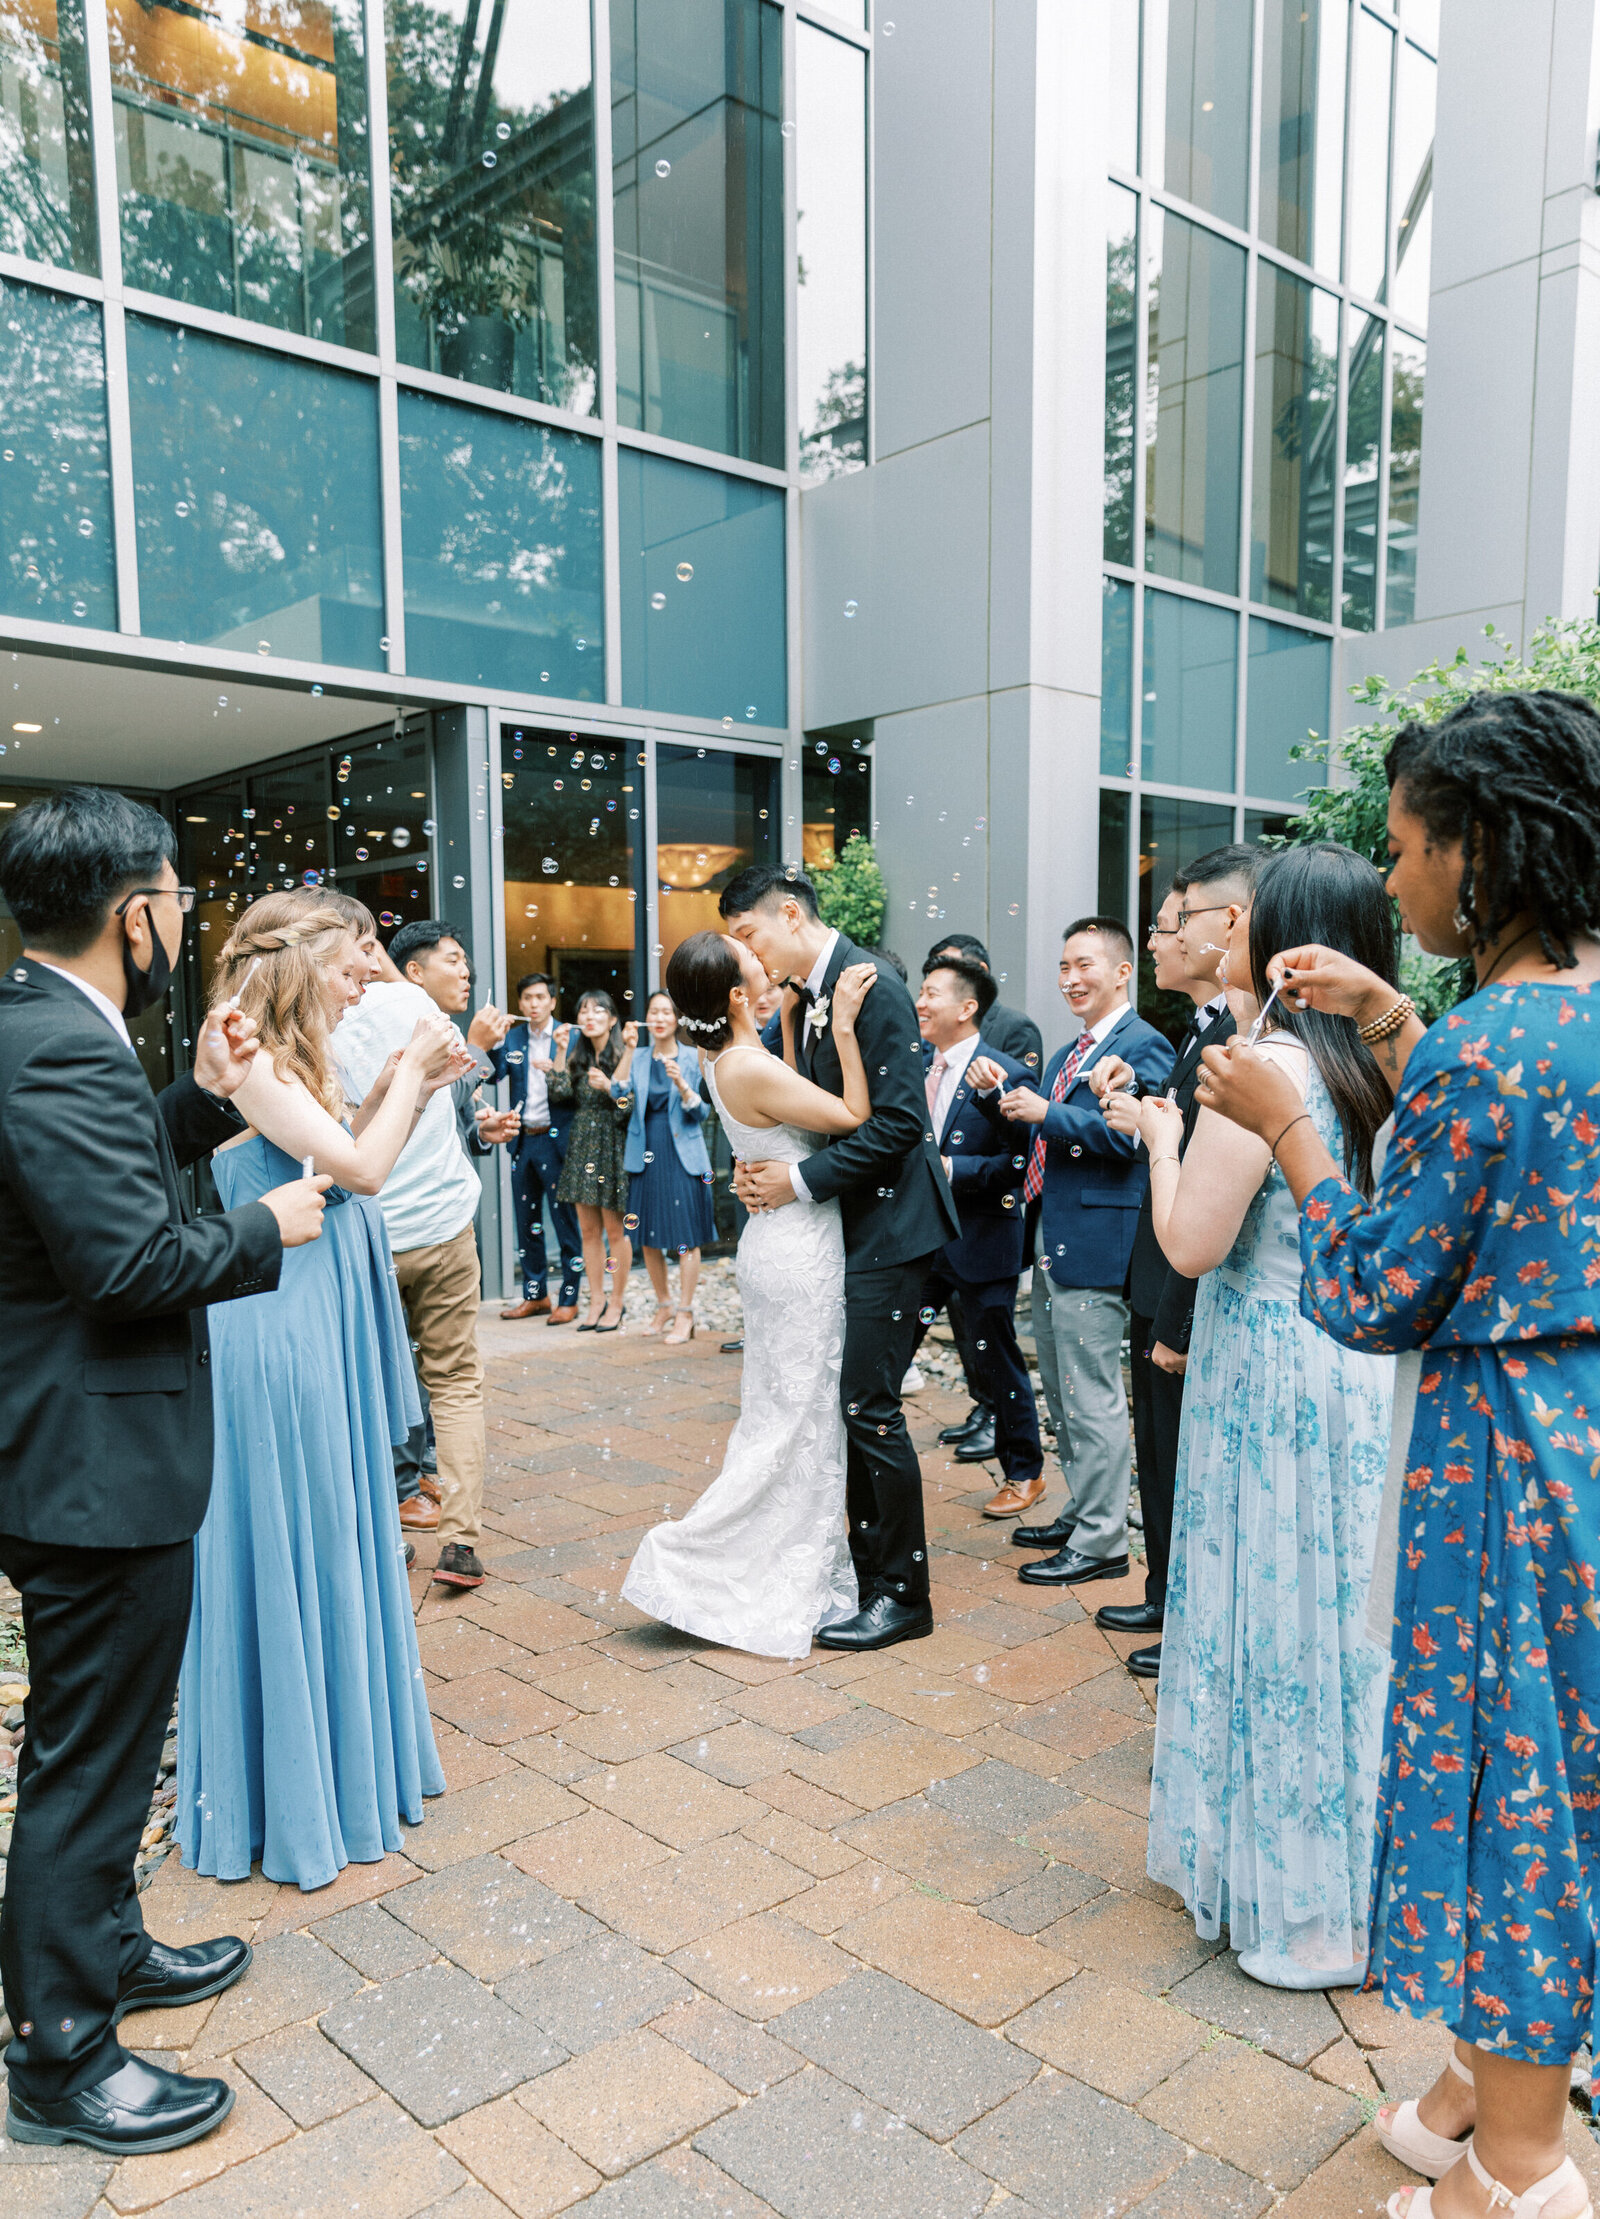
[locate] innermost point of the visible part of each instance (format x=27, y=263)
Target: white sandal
x=1416, y=2145
x=1537, y=2202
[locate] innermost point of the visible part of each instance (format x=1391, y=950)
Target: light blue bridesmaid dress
x=303, y=1728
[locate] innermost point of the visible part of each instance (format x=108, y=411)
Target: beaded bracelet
x=1391, y=1021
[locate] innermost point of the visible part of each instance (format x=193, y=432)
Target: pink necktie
x=936, y=1071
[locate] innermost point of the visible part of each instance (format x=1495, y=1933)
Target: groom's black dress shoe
x=979, y=1415
x=137, y=2108
x=1055, y=1535
x=169, y=1978
x=1130, y=1617
x=1069, y=1567
x=1145, y=1664
x=977, y=1446
x=883, y=1622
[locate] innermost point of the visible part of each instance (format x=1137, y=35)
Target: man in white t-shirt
x=430, y=1201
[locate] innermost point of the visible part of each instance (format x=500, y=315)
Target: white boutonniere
x=817, y=1015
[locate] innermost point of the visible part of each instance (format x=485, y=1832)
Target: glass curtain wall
x=47, y=206
x=1268, y=245
x=831, y=221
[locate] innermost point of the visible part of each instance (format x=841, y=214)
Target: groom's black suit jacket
x=893, y=1196
x=105, y=1386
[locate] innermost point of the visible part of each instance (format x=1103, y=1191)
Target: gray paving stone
x=373, y=2162
x=1295, y=2024
x=491, y=1918
x=1120, y=1775
x=906, y=2052
x=1003, y=1796
x=304, y=2074
x=1001, y=1622
x=1204, y=2189
x=1038, y=1903
x=376, y=1943
x=439, y=2043
x=293, y=1978
x=727, y=2044
x=591, y=1994
x=60, y=2187
x=850, y=1726
x=814, y=2149
x=1068, y=2151
x=677, y=2185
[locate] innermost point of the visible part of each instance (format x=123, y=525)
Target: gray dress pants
x=1078, y=1334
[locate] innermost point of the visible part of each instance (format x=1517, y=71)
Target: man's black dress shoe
x=1055, y=1535
x=977, y=1446
x=979, y=1415
x=135, y=2109
x=1069, y=1567
x=1145, y=1664
x=884, y=1622
x=1130, y=1617
x=733, y=1348
x=169, y=1978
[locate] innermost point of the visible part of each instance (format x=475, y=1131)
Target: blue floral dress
x=1482, y=1246
x=1269, y=1717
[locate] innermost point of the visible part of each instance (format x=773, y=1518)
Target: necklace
x=1504, y=952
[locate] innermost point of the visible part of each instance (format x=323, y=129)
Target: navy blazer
x=685, y=1118
x=1094, y=1178
x=987, y=1157
x=510, y=1061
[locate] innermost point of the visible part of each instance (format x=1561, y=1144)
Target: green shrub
x=851, y=895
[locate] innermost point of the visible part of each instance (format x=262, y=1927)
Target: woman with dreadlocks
x=1481, y=1248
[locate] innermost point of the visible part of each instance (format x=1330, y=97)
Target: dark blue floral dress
x=1482, y=1247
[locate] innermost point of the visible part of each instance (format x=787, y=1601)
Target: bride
x=763, y=1558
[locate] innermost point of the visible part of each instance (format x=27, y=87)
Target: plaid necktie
x=1033, y=1184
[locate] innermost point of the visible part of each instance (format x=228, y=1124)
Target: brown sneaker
x=534, y=1306
x=428, y=1485
x=419, y=1515
x=458, y=1566
x=563, y=1314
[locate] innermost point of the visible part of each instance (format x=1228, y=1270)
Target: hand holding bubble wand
x=233, y=999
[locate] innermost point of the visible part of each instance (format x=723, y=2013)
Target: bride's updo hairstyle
x=702, y=973
x=294, y=940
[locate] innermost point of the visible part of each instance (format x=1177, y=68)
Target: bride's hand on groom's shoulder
x=850, y=991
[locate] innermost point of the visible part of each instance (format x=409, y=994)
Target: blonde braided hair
x=294, y=935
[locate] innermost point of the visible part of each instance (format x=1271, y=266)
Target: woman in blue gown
x=303, y=1730
x=1481, y=1249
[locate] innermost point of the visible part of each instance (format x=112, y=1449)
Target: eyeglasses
x=1185, y=915
x=1162, y=932
x=184, y=896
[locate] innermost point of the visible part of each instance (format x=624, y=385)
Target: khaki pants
x=440, y=1288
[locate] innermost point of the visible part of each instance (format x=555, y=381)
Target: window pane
x=1296, y=427
x=1190, y=686
x=573, y=817
x=1116, y=679
x=1124, y=31
x=1367, y=214
x=1421, y=19
x=1171, y=833
x=501, y=526
x=836, y=798
x=491, y=169
x=703, y=620
x=1302, y=127
x=696, y=101
x=830, y=159
x=1259, y=825
x=1194, y=404
x=1413, y=185
x=1122, y=308
x=236, y=548
x=56, y=555
x=242, y=161
x=1113, y=888
x=1286, y=700
x=377, y=846
x=714, y=814
x=46, y=159
x=1363, y=431
x=1201, y=52
x=1405, y=474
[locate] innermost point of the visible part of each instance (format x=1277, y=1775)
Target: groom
x=897, y=1213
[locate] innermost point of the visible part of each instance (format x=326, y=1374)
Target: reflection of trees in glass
x=493, y=206
x=1122, y=283
x=837, y=439
x=55, y=485
x=1297, y=375
x=46, y=166
x=1405, y=477
x=1363, y=433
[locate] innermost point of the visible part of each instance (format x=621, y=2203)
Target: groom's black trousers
x=105, y=1631
x=883, y=1483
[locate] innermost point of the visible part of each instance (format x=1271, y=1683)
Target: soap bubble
x=400, y=837
x=851, y=607
x=490, y=158
x=458, y=881
x=428, y=828
x=927, y=1316
x=663, y=167
x=550, y=866
x=658, y=600
x=684, y=572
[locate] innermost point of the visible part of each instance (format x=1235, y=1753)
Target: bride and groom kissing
x=814, y=1525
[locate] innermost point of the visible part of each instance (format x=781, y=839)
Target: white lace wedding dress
x=763, y=1558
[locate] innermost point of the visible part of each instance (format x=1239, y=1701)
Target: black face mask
x=143, y=989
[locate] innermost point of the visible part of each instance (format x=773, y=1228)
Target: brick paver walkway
x=698, y=1936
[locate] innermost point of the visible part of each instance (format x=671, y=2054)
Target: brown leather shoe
x=563, y=1314
x=1012, y=1501
x=429, y=1486
x=534, y=1306
x=419, y=1515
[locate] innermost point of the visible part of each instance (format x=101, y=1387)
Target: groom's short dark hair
x=759, y=885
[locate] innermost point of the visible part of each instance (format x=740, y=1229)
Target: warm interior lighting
x=687, y=864
x=27, y=728
x=196, y=820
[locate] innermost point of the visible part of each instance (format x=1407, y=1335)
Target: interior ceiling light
x=27, y=728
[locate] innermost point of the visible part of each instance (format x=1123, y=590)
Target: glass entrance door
x=573, y=815
x=715, y=814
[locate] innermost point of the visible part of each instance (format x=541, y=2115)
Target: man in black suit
x=1008, y=1032
x=897, y=1212
x=105, y=1447
x=1187, y=939
x=978, y=1271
